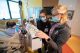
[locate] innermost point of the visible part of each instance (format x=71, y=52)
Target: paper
x=37, y=42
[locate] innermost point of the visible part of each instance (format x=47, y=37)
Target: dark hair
x=10, y=24
x=43, y=11
x=48, y=10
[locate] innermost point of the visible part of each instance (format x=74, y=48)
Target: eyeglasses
x=58, y=14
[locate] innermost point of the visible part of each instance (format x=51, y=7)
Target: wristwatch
x=48, y=39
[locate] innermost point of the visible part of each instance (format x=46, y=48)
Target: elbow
x=55, y=47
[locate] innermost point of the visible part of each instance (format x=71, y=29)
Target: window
x=14, y=8
x=4, y=12
x=9, y=9
x=15, y=0
x=34, y=11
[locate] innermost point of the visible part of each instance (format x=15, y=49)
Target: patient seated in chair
x=11, y=28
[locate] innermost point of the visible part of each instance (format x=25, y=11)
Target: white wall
x=74, y=23
x=71, y=4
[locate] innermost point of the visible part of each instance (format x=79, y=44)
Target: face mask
x=15, y=28
x=55, y=19
x=43, y=19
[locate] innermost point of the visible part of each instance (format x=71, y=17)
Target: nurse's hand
x=42, y=35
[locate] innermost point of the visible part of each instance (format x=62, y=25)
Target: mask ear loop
x=60, y=18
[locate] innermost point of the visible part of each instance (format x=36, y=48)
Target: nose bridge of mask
x=55, y=19
x=43, y=18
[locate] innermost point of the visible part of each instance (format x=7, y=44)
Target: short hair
x=43, y=11
x=10, y=24
x=60, y=9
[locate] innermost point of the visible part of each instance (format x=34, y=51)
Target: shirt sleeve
x=60, y=38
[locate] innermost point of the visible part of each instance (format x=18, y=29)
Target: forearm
x=52, y=43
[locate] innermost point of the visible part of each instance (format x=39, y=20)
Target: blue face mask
x=43, y=19
x=55, y=19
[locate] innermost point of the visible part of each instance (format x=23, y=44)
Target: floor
x=73, y=45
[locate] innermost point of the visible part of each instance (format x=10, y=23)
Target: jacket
x=59, y=37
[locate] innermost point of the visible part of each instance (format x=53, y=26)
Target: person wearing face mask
x=44, y=25
x=59, y=32
x=11, y=28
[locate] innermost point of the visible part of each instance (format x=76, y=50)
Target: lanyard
x=53, y=28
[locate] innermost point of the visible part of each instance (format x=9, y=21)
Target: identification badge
x=46, y=30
